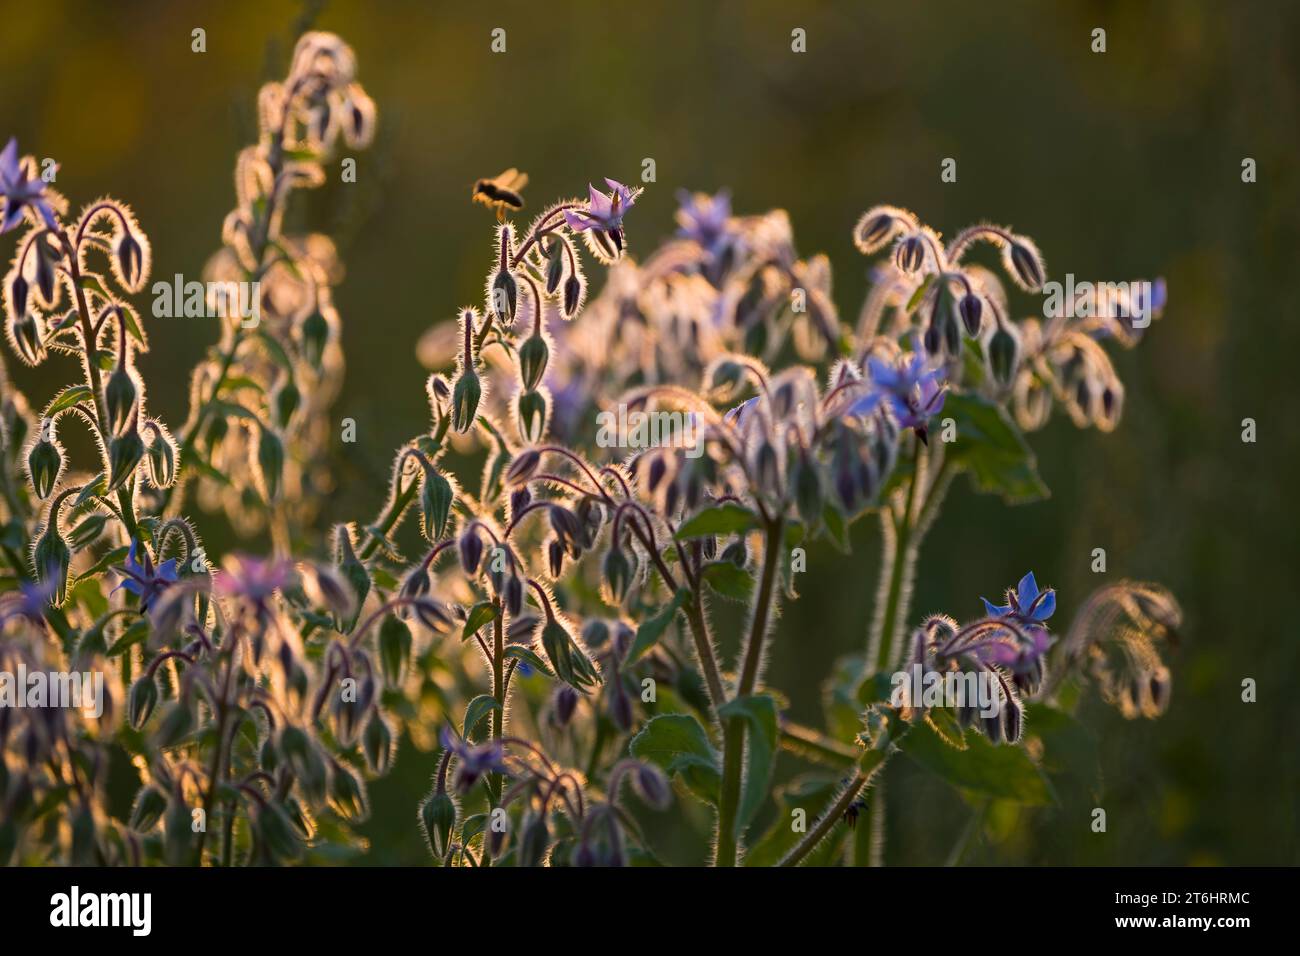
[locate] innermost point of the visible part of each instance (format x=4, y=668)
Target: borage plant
x=555, y=637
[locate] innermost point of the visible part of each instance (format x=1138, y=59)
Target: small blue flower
x=142, y=579
x=30, y=600
x=1026, y=602
x=913, y=392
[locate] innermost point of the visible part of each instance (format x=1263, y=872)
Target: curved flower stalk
x=257, y=426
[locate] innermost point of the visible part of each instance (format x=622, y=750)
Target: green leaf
x=478, y=708
x=652, y=628
x=920, y=292
x=67, y=398
x=526, y=655
x=992, y=449
x=995, y=770
x=759, y=712
x=678, y=744
x=133, y=635
x=836, y=528
x=482, y=613
x=92, y=488
x=726, y=518
x=729, y=580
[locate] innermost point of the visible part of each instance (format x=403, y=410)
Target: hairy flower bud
x=532, y=416
x=504, y=297
x=1023, y=260
x=617, y=571
x=972, y=313
x=161, y=457
x=435, y=503
x=465, y=399
x=44, y=465
x=535, y=840
x=1003, y=350
x=142, y=701
x=394, y=649
x=533, y=356
x=572, y=296
x=652, y=786
x=470, y=546
x=51, y=558
x=437, y=818
x=377, y=744
x=564, y=702
x=909, y=254
x=25, y=334
x=150, y=804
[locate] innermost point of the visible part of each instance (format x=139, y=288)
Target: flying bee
x=501, y=192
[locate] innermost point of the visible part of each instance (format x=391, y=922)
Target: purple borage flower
x=19, y=191
x=254, y=579
x=142, y=579
x=473, y=760
x=602, y=220
x=703, y=218
x=911, y=391
x=29, y=601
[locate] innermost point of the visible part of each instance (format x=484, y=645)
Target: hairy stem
x=734, y=745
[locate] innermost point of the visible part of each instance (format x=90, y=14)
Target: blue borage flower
x=1025, y=602
x=142, y=578
x=912, y=390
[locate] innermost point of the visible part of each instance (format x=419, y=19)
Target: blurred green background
x=1121, y=165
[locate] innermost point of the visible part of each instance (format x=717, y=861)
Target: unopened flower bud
x=532, y=416
x=26, y=336
x=972, y=313
x=533, y=356
x=909, y=255
x=617, y=572
x=465, y=399
x=142, y=701
x=564, y=702
x=435, y=503
x=437, y=818
x=572, y=296
x=150, y=804
x=1025, y=264
x=505, y=297
x=377, y=743
x=44, y=464
x=1003, y=350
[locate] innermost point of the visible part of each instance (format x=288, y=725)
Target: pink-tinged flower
x=20, y=190
x=603, y=212
x=254, y=579
x=704, y=218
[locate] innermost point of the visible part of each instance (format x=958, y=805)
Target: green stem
x=734, y=745
x=498, y=715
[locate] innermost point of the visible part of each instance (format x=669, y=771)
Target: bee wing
x=513, y=180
